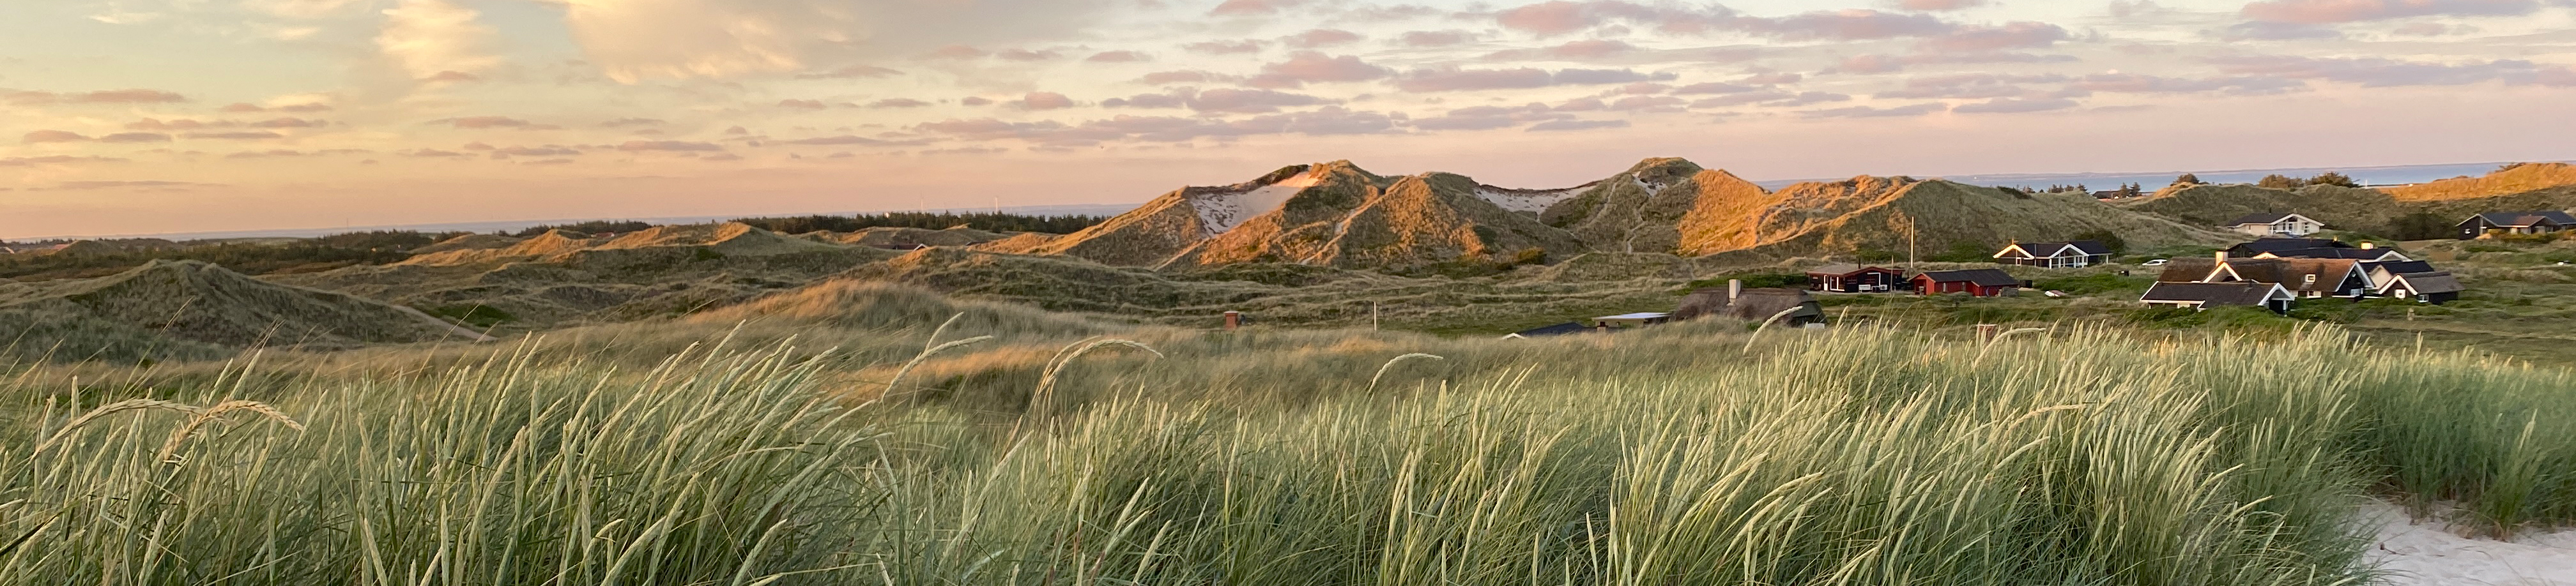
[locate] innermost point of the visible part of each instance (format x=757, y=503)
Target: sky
x=151, y=116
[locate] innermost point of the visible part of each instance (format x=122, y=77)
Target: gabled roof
x=2527, y=219
x=2056, y=249
x=2215, y=294
x=2331, y=252
x=2275, y=245
x=2268, y=218
x=1982, y=277
x=2293, y=273
x=2424, y=283
x=1846, y=269
x=2398, y=267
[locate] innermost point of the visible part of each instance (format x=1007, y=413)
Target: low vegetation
x=987, y=221
x=1862, y=456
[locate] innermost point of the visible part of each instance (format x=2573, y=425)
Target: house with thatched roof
x=2309, y=278
x=1977, y=282
x=2435, y=287
x=2055, y=255
x=2533, y=222
x=1736, y=302
x=2202, y=296
x=2276, y=224
x=1852, y=278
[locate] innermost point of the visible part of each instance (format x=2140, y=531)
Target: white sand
x=2429, y=552
x=1528, y=200
x=1222, y=211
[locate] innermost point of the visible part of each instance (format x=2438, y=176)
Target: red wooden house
x=1977, y=282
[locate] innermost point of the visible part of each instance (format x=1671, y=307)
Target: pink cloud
x=1437, y=38
x=135, y=137
x=52, y=136
x=488, y=122
x=956, y=52
x=289, y=123
x=1938, y=5
x=1045, y=101
x=1850, y=25
x=1491, y=117
x=1224, y=47
x=1025, y=55
x=2016, y=105
x=1445, y=80
x=797, y=104
x=2379, y=72
x=852, y=72
x=55, y=160
x=1874, y=112
x=898, y=103
x=1322, y=37
x=1118, y=57
x=1220, y=100
x=1173, y=77
x=667, y=145
x=1575, y=125
x=1253, y=6
x=2014, y=35
x=240, y=135
x=1312, y=67
x=2335, y=11
x=243, y=107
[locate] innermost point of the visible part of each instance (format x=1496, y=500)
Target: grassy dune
x=1694, y=454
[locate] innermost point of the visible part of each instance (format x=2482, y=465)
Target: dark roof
x=2436, y=282
x=2399, y=267
x=2330, y=252
x=1982, y=277
x=2211, y=294
x=2276, y=245
x=1555, y=330
x=1846, y=269
x=2259, y=219
x=2523, y=219
x=2293, y=272
x=2089, y=247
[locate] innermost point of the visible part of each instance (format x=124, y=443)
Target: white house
x=2080, y=253
x=2276, y=225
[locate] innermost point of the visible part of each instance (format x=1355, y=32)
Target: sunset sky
x=147, y=116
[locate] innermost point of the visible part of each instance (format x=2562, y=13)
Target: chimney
x=1233, y=319
x=1734, y=289
x=2222, y=256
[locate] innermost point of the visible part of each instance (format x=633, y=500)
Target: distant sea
x=2379, y=176
x=2152, y=180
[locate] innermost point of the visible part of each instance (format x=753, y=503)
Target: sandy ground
x=2429, y=552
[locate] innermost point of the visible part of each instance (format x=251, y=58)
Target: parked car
x=2153, y=263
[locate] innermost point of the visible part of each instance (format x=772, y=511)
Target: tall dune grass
x=1674, y=457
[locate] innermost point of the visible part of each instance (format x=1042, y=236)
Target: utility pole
x=1913, y=243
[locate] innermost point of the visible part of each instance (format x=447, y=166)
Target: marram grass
x=1853, y=457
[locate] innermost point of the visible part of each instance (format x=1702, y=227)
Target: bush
x=2333, y=178
x=2278, y=181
